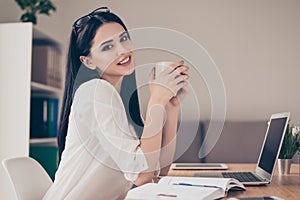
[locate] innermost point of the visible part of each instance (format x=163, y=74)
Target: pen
x=196, y=185
x=167, y=195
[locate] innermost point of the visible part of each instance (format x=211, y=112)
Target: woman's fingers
x=173, y=67
x=180, y=85
x=181, y=70
x=171, y=81
x=152, y=74
x=184, y=70
x=182, y=93
x=177, y=64
x=180, y=79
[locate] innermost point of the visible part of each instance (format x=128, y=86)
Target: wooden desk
x=284, y=186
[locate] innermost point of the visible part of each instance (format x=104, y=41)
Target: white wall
x=255, y=44
x=15, y=70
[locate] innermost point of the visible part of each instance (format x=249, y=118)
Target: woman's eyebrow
x=108, y=41
x=122, y=34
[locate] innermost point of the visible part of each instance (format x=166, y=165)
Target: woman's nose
x=121, y=49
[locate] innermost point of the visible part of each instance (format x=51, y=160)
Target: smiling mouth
x=125, y=61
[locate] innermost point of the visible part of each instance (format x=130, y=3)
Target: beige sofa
x=239, y=142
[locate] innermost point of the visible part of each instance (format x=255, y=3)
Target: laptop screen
x=272, y=143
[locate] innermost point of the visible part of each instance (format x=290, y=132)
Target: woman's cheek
x=104, y=60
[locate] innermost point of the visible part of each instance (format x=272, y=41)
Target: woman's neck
x=115, y=81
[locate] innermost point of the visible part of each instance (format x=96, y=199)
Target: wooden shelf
x=38, y=89
x=44, y=141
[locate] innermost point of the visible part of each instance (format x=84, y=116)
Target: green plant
x=32, y=7
x=289, y=145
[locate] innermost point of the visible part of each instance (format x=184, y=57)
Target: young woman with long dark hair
x=105, y=148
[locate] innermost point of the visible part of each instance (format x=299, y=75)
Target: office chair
x=29, y=179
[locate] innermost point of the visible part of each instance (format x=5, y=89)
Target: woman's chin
x=130, y=71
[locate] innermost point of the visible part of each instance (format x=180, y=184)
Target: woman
x=100, y=153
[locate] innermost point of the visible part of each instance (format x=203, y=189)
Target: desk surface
x=284, y=186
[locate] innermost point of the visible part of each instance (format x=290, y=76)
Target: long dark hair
x=80, y=44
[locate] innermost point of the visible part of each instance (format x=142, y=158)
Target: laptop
x=267, y=158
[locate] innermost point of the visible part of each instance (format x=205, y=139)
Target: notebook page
x=220, y=182
x=153, y=191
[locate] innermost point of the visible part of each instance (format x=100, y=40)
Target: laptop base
x=221, y=175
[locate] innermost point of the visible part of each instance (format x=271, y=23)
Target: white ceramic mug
x=161, y=66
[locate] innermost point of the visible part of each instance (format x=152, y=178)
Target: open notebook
x=186, y=188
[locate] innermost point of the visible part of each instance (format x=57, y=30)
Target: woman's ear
x=88, y=62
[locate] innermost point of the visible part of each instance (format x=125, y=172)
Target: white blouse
x=102, y=156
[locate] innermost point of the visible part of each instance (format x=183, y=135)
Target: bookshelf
x=45, y=87
x=45, y=53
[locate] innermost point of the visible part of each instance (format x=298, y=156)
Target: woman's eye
x=107, y=47
x=124, y=38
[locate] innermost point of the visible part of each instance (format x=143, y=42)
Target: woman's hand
x=175, y=100
x=167, y=84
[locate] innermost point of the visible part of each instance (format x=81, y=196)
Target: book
x=43, y=117
x=38, y=117
x=187, y=188
x=52, y=117
x=46, y=65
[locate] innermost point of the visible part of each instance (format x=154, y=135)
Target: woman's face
x=111, y=52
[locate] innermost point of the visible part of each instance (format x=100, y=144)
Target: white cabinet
x=15, y=73
x=16, y=89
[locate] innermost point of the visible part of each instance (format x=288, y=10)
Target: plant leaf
x=23, y=3
x=46, y=6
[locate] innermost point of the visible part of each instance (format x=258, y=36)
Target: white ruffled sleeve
x=113, y=132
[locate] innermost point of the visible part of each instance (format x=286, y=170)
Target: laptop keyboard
x=241, y=176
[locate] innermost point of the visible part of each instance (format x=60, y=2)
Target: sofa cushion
x=189, y=137
x=239, y=142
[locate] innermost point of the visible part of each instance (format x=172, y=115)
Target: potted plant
x=289, y=148
x=33, y=7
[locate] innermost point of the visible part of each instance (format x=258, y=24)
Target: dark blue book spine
x=38, y=117
x=52, y=117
